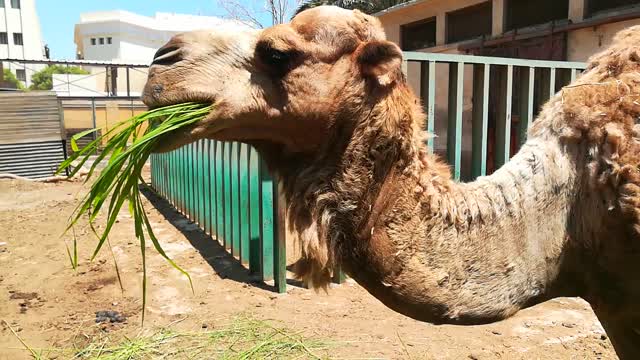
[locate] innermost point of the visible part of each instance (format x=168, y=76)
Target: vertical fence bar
x=255, y=260
x=211, y=169
x=552, y=82
x=206, y=195
x=191, y=167
x=267, y=234
x=280, y=246
x=574, y=75
x=196, y=183
x=431, y=105
x=503, y=126
x=480, y=119
x=454, y=128
x=235, y=201
x=228, y=238
x=182, y=180
x=527, y=78
x=244, y=203
x=220, y=230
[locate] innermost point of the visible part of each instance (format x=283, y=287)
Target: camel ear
x=380, y=60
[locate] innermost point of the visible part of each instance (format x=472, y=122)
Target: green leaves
x=118, y=182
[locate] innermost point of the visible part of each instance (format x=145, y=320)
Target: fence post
x=255, y=260
x=267, y=215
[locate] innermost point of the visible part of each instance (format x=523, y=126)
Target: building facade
x=558, y=30
x=20, y=37
x=125, y=37
x=569, y=30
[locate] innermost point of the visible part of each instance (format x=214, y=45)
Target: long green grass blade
x=127, y=149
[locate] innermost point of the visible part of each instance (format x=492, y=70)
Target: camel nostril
x=167, y=55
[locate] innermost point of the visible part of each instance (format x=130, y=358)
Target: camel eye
x=275, y=59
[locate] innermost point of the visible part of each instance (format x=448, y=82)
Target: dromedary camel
x=324, y=100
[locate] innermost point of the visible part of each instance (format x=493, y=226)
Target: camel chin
x=324, y=101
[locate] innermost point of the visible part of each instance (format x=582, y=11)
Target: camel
x=324, y=101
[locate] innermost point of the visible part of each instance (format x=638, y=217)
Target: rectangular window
x=93, y=41
x=524, y=13
x=101, y=41
x=596, y=6
x=1, y=4
x=418, y=35
x=21, y=75
x=15, y=4
x=109, y=40
x=4, y=39
x=469, y=23
x=17, y=39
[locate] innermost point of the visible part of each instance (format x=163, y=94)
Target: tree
x=11, y=79
x=253, y=12
x=368, y=7
x=42, y=80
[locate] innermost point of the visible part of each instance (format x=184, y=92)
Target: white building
x=20, y=37
x=124, y=37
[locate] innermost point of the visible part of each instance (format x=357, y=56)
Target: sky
x=58, y=17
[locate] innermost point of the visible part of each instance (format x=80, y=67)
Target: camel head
x=284, y=86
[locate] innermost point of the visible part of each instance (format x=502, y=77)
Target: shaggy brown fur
x=324, y=101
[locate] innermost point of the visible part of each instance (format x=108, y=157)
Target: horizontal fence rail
x=225, y=189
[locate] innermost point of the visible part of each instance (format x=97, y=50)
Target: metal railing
x=225, y=189
x=529, y=82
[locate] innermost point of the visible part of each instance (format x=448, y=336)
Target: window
x=109, y=40
x=1, y=3
x=4, y=39
x=21, y=75
x=521, y=13
x=469, y=23
x=596, y=6
x=418, y=35
x=15, y=4
x=17, y=39
x=101, y=41
x=93, y=41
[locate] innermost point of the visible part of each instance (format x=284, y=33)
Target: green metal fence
x=225, y=189
x=481, y=96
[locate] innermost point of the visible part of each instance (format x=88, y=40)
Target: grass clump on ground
x=127, y=149
x=243, y=338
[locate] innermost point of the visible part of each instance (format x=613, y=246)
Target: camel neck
x=442, y=251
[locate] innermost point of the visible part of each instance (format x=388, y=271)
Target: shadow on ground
x=220, y=260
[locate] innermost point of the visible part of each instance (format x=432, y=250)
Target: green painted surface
x=219, y=151
x=227, y=195
x=235, y=200
x=243, y=193
x=255, y=260
x=268, y=222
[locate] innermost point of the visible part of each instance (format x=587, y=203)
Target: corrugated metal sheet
x=30, y=134
x=28, y=117
x=31, y=160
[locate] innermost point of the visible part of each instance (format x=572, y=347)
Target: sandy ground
x=49, y=304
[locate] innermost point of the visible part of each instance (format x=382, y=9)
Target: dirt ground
x=49, y=305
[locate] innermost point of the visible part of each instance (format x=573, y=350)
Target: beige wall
x=79, y=116
x=583, y=43
x=424, y=10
